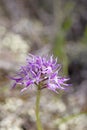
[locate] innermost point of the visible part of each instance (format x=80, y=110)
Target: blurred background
x=44, y=27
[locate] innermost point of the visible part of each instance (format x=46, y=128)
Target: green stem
x=38, y=122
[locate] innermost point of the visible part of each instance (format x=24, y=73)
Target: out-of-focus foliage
x=59, y=44
x=59, y=51
x=59, y=48
x=84, y=38
x=67, y=24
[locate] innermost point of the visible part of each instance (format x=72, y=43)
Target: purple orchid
x=40, y=71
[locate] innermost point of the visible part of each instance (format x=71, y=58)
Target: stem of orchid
x=38, y=122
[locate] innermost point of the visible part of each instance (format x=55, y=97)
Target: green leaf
x=59, y=51
x=84, y=39
x=67, y=24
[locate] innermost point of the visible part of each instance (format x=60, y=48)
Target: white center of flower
x=49, y=69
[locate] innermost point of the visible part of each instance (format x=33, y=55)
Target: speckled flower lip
x=40, y=71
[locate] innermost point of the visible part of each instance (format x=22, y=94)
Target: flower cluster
x=40, y=71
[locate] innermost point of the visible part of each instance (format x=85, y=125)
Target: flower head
x=40, y=71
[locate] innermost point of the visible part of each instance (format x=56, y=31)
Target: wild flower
x=42, y=72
